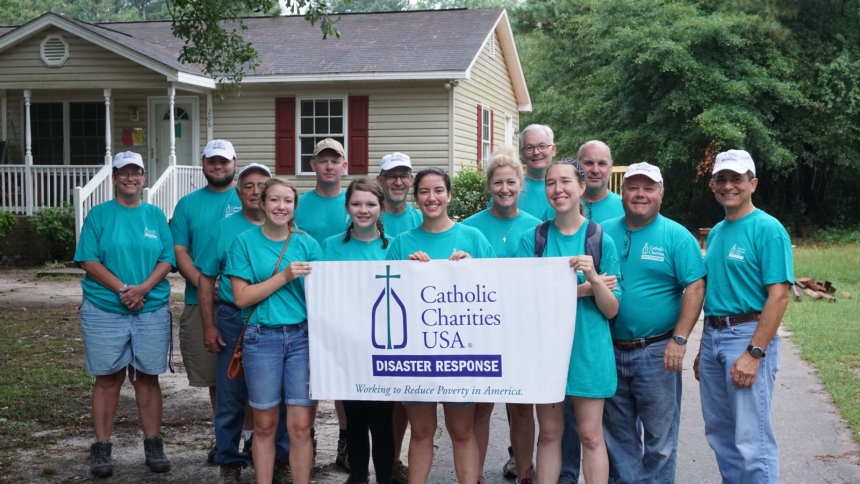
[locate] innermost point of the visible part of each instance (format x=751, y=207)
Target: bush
x=8, y=221
x=835, y=236
x=468, y=194
x=55, y=226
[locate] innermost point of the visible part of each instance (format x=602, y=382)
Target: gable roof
x=430, y=44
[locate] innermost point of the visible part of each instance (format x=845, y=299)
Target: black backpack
x=593, y=241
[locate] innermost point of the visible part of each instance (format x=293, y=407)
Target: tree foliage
x=17, y=12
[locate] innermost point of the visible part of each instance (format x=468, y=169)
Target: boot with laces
x=153, y=447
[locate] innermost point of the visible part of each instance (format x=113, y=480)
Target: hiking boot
x=400, y=473
x=283, y=474
x=509, y=470
x=248, y=449
x=210, y=457
x=100, y=459
x=230, y=473
x=342, y=458
x=153, y=447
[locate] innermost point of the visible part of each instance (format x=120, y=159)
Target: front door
x=185, y=127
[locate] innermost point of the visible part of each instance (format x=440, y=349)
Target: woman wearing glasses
x=591, y=374
x=503, y=224
x=126, y=251
x=439, y=237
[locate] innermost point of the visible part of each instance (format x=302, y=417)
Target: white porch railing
x=97, y=190
x=176, y=182
x=27, y=188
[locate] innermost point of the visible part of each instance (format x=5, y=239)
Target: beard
x=220, y=182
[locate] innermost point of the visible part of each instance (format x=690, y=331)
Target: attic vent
x=493, y=45
x=54, y=50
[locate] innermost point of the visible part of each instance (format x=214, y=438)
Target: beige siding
x=490, y=86
x=88, y=66
x=409, y=117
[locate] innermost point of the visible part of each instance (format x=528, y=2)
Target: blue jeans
x=737, y=420
x=648, y=398
x=571, y=446
x=231, y=395
x=276, y=360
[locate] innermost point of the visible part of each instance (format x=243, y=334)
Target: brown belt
x=720, y=322
x=634, y=344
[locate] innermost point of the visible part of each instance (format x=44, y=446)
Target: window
x=509, y=130
x=486, y=135
x=68, y=133
x=319, y=119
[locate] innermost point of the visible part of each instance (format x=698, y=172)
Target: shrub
x=468, y=194
x=8, y=221
x=55, y=226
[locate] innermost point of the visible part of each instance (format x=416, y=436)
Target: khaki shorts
x=200, y=365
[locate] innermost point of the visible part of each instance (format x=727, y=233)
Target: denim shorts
x=276, y=365
x=113, y=340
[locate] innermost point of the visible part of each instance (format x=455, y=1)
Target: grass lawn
x=829, y=333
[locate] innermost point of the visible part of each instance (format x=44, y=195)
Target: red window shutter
x=359, y=122
x=285, y=136
x=480, y=134
x=492, y=131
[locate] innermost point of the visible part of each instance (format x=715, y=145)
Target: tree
x=355, y=6
x=449, y=4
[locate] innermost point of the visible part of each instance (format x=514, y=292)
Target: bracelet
x=123, y=288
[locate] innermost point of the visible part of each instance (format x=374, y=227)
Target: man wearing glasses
x=538, y=150
x=749, y=268
x=600, y=203
x=395, y=178
x=662, y=269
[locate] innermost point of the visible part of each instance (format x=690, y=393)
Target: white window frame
x=509, y=130
x=318, y=97
x=486, y=135
x=67, y=155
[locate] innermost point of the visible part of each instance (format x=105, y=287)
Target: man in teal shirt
x=395, y=178
x=193, y=218
x=750, y=268
x=662, y=269
x=321, y=212
x=600, y=203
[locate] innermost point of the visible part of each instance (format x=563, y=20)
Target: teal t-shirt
x=252, y=258
x=442, y=244
x=406, y=220
x=658, y=262
x=533, y=200
x=193, y=218
x=335, y=249
x=592, y=359
x=322, y=217
x=741, y=259
x=609, y=207
x=503, y=234
x=129, y=242
x=212, y=260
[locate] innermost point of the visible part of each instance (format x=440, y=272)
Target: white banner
x=475, y=330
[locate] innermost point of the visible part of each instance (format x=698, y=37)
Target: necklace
x=505, y=234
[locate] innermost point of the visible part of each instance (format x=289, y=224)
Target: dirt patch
x=41, y=453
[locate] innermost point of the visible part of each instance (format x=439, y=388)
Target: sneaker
x=509, y=470
x=400, y=474
x=210, y=457
x=153, y=447
x=248, y=449
x=342, y=458
x=100, y=459
x=230, y=473
x=283, y=474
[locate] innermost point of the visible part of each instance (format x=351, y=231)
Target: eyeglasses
x=123, y=175
x=733, y=180
x=625, y=250
x=530, y=149
x=393, y=178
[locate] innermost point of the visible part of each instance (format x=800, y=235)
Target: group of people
x=243, y=247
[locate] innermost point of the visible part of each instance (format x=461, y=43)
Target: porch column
x=210, y=117
x=171, y=94
x=108, y=157
x=28, y=154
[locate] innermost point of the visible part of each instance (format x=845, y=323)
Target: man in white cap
x=600, y=203
x=749, y=271
x=221, y=331
x=193, y=218
x=395, y=178
x=321, y=212
x=662, y=267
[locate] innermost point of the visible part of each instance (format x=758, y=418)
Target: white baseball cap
x=738, y=161
x=645, y=169
x=219, y=147
x=255, y=166
x=127, y=158
x=394, y=160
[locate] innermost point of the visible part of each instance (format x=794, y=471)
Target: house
x=445, y=87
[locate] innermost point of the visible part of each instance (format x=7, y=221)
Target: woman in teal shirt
x=126, y=250
x=503, y=224
x=275, y=342
x=364, y=240
x=591, y=374
x=439, y=237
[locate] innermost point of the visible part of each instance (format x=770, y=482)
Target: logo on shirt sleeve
x=737, y=253
x=650, y=252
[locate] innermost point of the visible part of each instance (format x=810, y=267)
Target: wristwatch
x=755, y=351
x=679, y=339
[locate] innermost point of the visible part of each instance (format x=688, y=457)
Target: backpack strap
x=541, y=233
x=593, y=243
